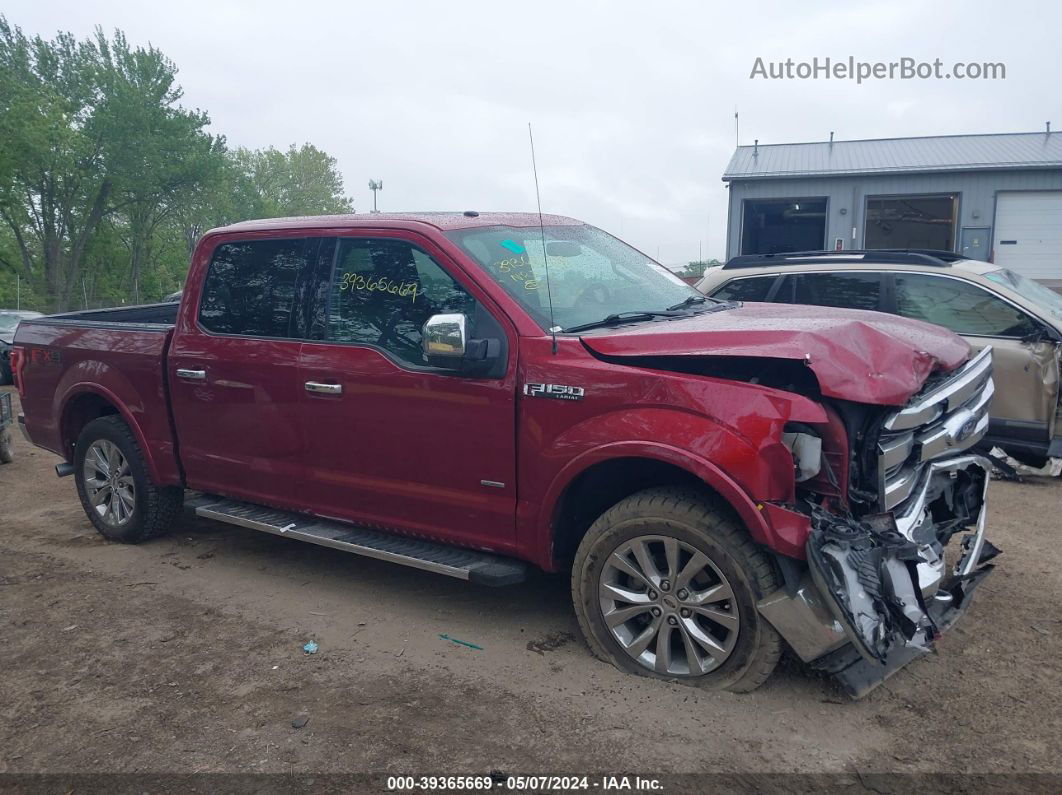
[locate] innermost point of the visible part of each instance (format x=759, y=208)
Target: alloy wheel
x=109, y=483
x=669, y=606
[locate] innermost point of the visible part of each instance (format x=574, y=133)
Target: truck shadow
x=535, y=617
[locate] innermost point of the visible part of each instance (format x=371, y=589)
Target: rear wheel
x=666, y=583
x=115, y=488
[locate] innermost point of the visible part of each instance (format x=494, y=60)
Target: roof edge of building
x=855, y=172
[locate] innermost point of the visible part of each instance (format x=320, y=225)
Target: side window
x=753, y=288
x=250, y=287
x=383, y=291
x=963, y=308
x=842, y=290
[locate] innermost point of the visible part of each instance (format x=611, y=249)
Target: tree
x=158, y=151
x=698, y=267
x=107, y=183
x=301, y=181
x=90, y=129
x=55, y=188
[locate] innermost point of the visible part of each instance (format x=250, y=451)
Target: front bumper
x=878, y=592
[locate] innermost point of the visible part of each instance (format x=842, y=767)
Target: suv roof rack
x=885, y=256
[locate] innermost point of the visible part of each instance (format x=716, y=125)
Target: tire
x=6, y=377
x=735, y=576
x=7, y=447
x=133, y=509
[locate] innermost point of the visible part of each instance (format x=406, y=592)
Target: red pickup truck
x=474, y=393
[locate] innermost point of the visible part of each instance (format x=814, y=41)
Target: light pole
x=375, y=185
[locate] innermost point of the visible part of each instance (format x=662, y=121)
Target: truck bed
x=141, y=314
x=87, y=364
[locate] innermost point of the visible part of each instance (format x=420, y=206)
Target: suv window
x=753, y=288
x=964, y=308
x=250, y=287
x=383, y=291
x=842, y=290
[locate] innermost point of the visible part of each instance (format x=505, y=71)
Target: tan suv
x=987, y=305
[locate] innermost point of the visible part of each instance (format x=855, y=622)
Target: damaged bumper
x=880, y=590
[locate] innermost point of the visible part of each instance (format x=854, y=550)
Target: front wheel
x=115, y=488
x=665, y=584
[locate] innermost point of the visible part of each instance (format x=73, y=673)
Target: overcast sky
x=632, y=102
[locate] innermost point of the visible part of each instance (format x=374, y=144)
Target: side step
x=465, y=564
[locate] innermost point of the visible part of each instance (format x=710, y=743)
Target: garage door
x=1028, y=237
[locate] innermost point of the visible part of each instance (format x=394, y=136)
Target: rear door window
x=957, y=305
x=751, y=288
x=841, y=290
x=250, y=287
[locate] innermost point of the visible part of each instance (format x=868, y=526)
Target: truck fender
x=73, y=391
x=750, y=512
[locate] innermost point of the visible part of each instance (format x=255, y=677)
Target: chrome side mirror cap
x=445, y=336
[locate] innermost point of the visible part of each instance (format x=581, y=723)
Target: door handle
x=324, y=389
x=195, y=375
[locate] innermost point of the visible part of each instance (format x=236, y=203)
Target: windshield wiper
x=690, y=301
x=620, y=317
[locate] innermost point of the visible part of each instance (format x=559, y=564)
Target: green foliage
x=106, y=182
x=301, y=181
x=698, y=267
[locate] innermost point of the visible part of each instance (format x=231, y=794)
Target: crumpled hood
x=867, y=357
x=8, y=338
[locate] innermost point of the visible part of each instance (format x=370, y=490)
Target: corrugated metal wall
x=847, y=197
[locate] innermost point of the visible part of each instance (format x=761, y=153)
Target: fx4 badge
x=555, y=391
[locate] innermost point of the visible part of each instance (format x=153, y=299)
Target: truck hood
x=867, y=357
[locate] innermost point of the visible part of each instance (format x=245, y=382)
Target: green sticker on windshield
x=513, y=246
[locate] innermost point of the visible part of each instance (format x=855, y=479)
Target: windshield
x=592, y=274
x=9, y=322
x=1044, y=297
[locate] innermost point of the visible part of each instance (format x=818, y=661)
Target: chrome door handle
x=195, y=375
x=324, y=389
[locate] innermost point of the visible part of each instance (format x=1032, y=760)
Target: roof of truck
x=441, y=220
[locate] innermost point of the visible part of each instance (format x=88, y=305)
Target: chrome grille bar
x=948, y=419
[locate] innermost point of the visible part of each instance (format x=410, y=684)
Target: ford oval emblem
x=965, y=431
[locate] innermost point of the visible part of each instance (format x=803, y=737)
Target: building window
x=775, y=226
x=911, y=222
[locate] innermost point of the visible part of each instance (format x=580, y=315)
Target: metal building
x=993, y=197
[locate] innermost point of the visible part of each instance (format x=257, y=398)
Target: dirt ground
x=186, y=655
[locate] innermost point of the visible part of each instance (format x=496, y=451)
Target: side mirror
x=445, y=337
x=446, y=345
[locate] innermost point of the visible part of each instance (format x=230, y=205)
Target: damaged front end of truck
x=893, y=566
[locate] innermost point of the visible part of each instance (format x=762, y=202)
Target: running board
x=464, y=564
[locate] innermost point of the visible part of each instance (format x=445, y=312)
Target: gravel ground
x=185, y=655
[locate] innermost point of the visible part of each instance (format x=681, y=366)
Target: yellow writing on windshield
x=519, y=270
x=357, y=281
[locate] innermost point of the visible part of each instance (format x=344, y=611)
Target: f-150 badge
x=555, y=391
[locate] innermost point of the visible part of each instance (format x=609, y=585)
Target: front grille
x=943, y=420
